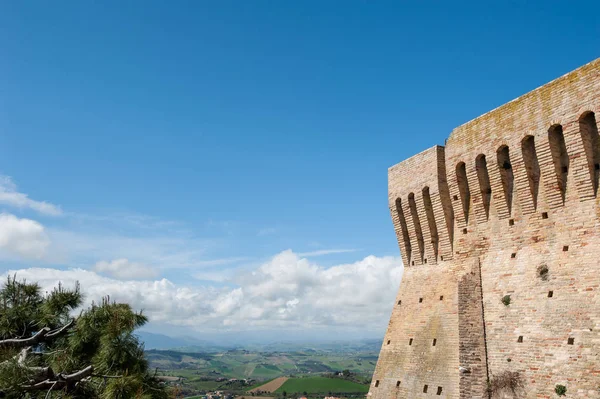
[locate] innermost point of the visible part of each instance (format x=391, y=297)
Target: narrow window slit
x=417, y=224
x=571, y=341
x=427, y=204
x=420, y=300
x=410, y=341
x=484, y=183
x=425, y=389
x=558, y=150
x=506, y=175
x=434, y=341
x=520, y=339
x=532, y=167
x=463, y=188
x=511, y=222
x=389, y=342
x=439, y=391
x=400, y=302
x=550, y=294
x=441, y=298
x=376, y=383
x=403, y=228
x=513, y=255
x=464, y=231
x=591, y=142
x=397, y=384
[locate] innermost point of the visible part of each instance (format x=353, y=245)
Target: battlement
x=499, y=233
x=537, y=150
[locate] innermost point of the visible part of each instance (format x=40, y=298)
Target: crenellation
x=503, y=181
x=588, y=144
x=401, y=228
x=507, y=209
x=461, y=194
x=481, y=193
x=429, y=227
x=413, y=234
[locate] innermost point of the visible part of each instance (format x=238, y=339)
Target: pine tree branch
x=107, y=376
x=21, y=342
x=61, y=381
x=55, y=333
x=44, y=335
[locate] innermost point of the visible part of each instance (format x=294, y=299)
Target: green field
x=321, y=385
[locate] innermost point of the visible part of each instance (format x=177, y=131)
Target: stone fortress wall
x=509, y=208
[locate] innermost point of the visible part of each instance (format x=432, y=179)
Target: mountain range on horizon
x=252, y=342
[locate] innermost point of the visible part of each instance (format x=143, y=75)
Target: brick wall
x=508, y=208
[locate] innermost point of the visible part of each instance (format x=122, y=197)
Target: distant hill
x=160, y=341
x=191, y=344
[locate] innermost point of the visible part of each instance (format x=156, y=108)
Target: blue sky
x=198, y=141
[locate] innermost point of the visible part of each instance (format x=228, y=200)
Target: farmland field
x=271, y=386
x=321, y=385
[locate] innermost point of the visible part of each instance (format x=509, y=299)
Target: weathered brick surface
x=530, y=207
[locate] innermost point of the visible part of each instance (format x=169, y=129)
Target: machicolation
x=503, y=226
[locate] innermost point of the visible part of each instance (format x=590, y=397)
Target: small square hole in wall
x=464, y=231
x=410, y=341
x=389, y=342
x=565, y=169
x=376, y=383
x=544, y=215
x=441, y=297
x=513, y=255
x=439, y=391
x=420, y=300
x=550, y=294
x=511, y=222
x=434, y=341
x=520, y=339
x=400, y=302
x=455, y=198
x=425, y=389
x=565, y=248
x=397, y=384
x=571, y=341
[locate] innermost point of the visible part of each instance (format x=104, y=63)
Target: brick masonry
x=509, y=207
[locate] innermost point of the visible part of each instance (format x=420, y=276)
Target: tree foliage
x=46, y=353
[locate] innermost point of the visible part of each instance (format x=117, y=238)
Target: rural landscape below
x=276, y=370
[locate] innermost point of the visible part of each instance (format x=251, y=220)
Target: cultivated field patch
x=271, y=386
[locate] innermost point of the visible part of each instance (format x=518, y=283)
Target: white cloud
x=22, y=237
x=124, y=269
x=10, y=196
x=287, y=292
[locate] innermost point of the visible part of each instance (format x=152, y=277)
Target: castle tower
x=500, y=238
